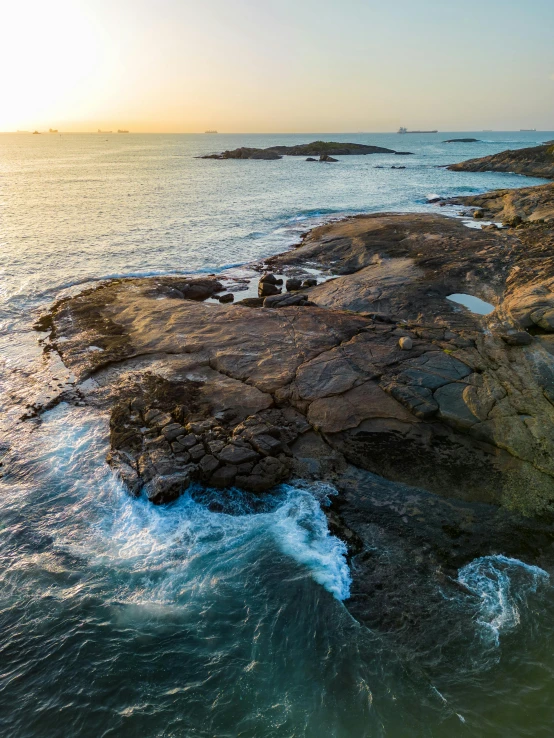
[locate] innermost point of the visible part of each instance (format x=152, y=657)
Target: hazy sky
x=276, y=65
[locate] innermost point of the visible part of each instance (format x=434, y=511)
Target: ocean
x=118, y=618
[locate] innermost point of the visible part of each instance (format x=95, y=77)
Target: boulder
x=293, y=283
x=235, y=455
x=227, y=297
x=266, y=288
x=406, y=343
x=270, y=278
x=208, y=464
x=166, y=488
x=286, y=300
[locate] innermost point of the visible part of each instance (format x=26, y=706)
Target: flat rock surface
x=462, y=413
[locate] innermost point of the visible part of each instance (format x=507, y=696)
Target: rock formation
x=376, y=364
x=536, y=161
x=325, y=150
x=512, y=207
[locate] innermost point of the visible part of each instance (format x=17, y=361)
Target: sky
x=276, y=65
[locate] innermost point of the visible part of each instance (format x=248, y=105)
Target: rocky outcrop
x=536, y=161
x=331, y=148
x=376, y=364
x=461, y=140
x=245, y=153
x=512, y=207
x=325, y=150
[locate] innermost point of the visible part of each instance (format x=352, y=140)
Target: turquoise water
x=121, y=619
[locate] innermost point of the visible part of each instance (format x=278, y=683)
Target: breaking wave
x=503, y=586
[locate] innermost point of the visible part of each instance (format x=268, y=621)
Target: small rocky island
x=461, y=140
x=435, y=424
x=322, y=149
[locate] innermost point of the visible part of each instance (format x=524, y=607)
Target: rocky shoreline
x=536, y=161
x=435, y=424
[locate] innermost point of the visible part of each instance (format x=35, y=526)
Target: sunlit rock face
x=221, y=393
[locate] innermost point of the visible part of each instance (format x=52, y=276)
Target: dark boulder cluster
x=322, y=157
x=162, y=451
x=270, y=290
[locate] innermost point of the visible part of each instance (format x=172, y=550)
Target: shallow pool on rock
x=472, y=303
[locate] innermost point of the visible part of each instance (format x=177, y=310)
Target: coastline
x=370, y=375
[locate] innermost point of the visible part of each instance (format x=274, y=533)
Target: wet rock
x=327, y=158
x=227, y=297
x=224, y=476
x=311, y=158
x=234, y=454
x=310, y=282
x=200, y=289
x=252, y=302
x=167, y=488
x=266, y=288
x=270, y=279
x=294, y=283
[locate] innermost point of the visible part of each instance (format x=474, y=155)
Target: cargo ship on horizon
x=405, y=130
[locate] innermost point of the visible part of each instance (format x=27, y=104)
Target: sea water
x=118, y=618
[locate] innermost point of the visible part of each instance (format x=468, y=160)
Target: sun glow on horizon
x=279, y=65
x=53, y=59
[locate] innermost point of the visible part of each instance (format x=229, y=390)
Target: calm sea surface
x=121, y=619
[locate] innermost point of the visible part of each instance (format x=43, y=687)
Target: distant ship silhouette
x=405, y=130
x=210, y=131
x=119, y=130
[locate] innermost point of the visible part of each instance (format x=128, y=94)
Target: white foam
x=503, y=585
x=301, y=532
x=165, y=556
